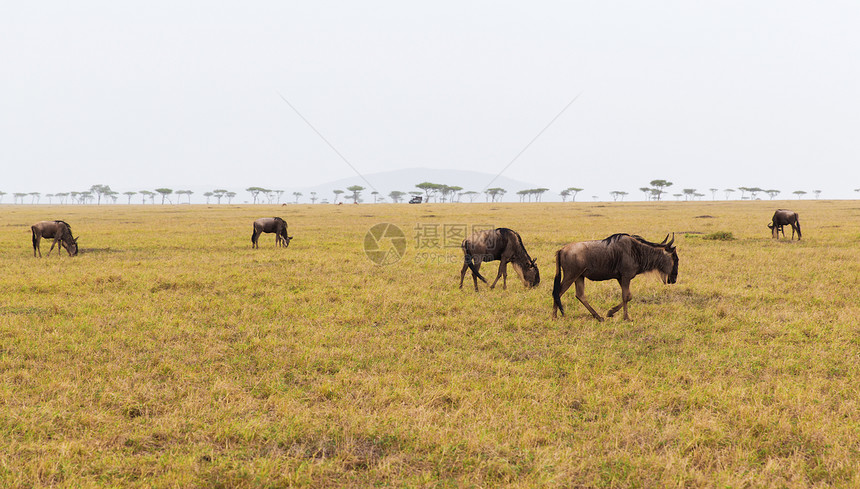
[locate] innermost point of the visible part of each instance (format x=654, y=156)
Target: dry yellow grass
x=171, y=354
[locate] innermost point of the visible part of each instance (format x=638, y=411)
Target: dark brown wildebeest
x=500, y=244
x=781, y=218
x=620, y=257
x=59, y=231
x=271, y=225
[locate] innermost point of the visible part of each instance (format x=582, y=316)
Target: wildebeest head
x=669, y=269
x=71, y=245
x=287, y=240
x=531, y=274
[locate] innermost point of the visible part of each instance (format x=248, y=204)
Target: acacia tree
x=617, y=194
x=572, y=191
x=356, y=192
x=496, y=193
x=164, y=194
x=296, y=195
x=429, y=189
x=772, y=193
x=220, y=193
x=817, y=193
x=396, y=196
x=129, y=194
x=714, y=193
x=688, y=193
x=254, y=191
x=100, y=190
x=1, y=196
x=728, y=192
x=337, y=194
x=659, y=185
x=313, y=197
x=230, y=196
x=471, y=194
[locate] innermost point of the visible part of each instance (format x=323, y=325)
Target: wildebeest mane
x=68, y=226
x=505, y=231
x=646, y=256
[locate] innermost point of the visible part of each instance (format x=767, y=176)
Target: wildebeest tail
x=797, y=221
x=467, y=255
x=556, y=285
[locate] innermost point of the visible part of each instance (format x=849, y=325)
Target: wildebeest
x=620, y=257
x=781, y=218
x=500, y=244
x=59, y=231
x=271, y=225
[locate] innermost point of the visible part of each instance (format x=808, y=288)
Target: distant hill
x=405, y=181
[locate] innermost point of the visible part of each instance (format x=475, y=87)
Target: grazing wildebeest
x=781, y=218
x=59, y=231
x=271, y=225
x=620, y=257
x=500, y=244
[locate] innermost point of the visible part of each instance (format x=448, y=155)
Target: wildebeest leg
x=475, y=274
x=625, y=298
x=255, y=235
x=54, y=243
x=580, y=294
x=566, y=282
x=463, y=271
x=503, y=273
x=36, y=246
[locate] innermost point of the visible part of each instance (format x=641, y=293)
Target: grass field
x=171, y=354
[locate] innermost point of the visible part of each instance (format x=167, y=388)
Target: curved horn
x=669, y=244
x=665, y=239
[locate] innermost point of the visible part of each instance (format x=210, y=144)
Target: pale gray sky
x=138, y=95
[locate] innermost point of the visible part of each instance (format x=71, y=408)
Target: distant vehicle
x=416, y=200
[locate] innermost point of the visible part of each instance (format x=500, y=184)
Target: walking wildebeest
x=59, y=231
x=498, y=244
x=271, y=225
x=620, y=257
x=782, y=217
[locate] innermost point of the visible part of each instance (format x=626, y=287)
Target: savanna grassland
x=171, y=354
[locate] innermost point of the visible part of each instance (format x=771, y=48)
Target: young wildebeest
x=620, y=257
x=498, y=244
x=782, y=217
x=271, y=225
x=59, y=231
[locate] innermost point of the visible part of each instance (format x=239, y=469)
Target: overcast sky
x=138, y=95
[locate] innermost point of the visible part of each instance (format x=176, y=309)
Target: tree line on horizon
x=428, y=191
